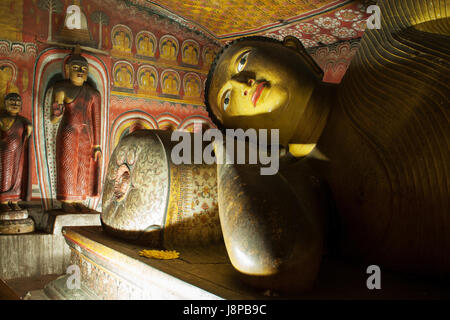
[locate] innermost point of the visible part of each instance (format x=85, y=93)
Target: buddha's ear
x=295, y=44
x=67, y=70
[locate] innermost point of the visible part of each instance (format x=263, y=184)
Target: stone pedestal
x=15, y=222
x=43, y=251
x=112, y=269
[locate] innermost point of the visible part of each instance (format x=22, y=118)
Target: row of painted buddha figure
x=148, y=81
x=146, y=47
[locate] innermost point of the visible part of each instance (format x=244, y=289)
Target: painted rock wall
x=152, y=71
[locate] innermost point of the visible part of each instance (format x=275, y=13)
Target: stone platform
x=43, y=251
x=112, y=269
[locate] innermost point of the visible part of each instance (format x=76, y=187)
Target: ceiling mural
x=344, y=23
x=315, y=22
x=335, y=26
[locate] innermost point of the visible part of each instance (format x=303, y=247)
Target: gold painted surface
x=11, y=19
x=228, y=16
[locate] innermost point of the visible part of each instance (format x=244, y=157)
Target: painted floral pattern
x=359, y=25
x=344, y=23
x=307, y=28
x=325, y=38
x=327, y=22
x=308, y=43
x=343, y=33
x=348, y=15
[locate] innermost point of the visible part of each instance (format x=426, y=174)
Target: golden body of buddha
x=378, y=141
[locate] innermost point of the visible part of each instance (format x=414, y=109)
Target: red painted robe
x=78, y=132
x=14, y=162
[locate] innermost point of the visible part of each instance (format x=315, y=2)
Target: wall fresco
x=144, y=78
x=151, y=68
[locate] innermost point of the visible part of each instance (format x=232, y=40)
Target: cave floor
x=209, y=270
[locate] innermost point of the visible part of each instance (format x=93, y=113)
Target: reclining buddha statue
x=366, y=167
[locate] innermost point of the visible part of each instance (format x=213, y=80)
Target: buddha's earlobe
x=67, y=70
x=295, y=44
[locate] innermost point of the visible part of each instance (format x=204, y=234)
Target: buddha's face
x=78, y=73
x=261, y=85
x=13, y=105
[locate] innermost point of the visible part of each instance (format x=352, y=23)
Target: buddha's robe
x=78, y=133
x=14, y=162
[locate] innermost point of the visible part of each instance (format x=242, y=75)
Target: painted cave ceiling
x=314, y=22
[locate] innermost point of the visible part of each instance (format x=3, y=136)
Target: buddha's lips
x=257, y=93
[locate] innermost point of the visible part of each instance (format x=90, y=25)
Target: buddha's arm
x=386, y=142
x=273, y=237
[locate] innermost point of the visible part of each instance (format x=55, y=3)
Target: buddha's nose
x=250, y=83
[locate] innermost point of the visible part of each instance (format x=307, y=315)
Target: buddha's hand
x=57, y=110
x=29, y=130
x=97, y=153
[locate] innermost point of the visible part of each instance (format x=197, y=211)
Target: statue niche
x=15, y=185
x=76, y=106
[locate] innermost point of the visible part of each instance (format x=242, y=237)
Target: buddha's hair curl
x=213, y=68
x=12, y=95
